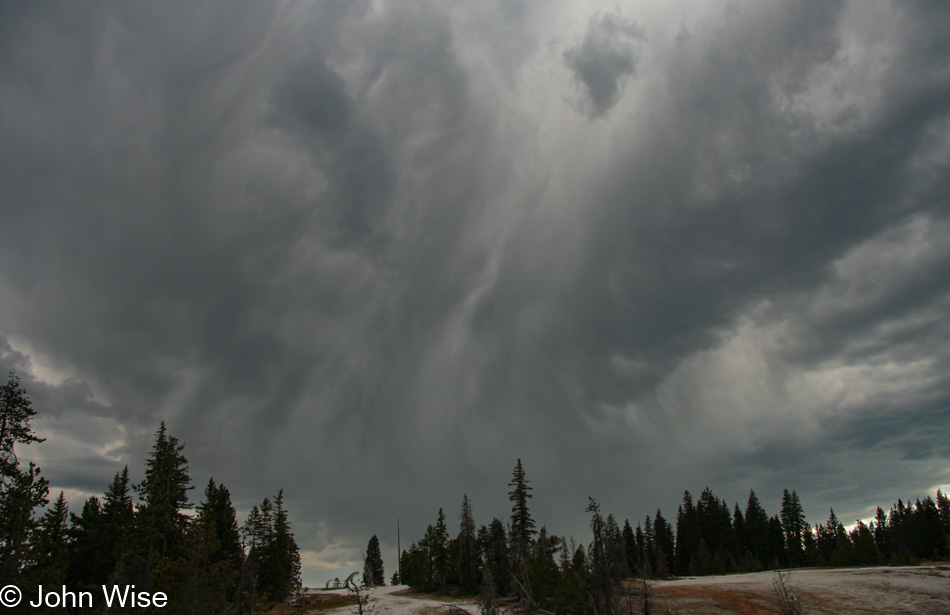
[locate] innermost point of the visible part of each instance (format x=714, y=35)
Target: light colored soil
x=913, y=590
x=917, y=590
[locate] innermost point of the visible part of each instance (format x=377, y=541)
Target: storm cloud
x=606, y=57
x=371, y=253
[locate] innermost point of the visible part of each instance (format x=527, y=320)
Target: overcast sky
x=372, y=252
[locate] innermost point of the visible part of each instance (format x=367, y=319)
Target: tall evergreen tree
x=630, y=550
x=373, y=573
x=793, y=525
x=217, y=512
x=494, y=548
x=21, y=490
x=522, y=525
x=756, y=532
x=468, y=566
x=687, y=534
x=542, y=568
x=16, y=413
x=278, y=569
x=664, y=540
x=25, y=492
x=439, y=546
x=89, y=562
x=160, y=521
x=50, y=549
x=118, y=523
x=606, y=556
x=215, y=556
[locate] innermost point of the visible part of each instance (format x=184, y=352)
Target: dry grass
x=408, y=593
x=312, y=603
x=704, y=599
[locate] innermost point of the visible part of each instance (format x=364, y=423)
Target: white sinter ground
x=910, y=590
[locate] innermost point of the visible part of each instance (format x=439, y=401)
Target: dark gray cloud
x=369, y=252
x=606, y=57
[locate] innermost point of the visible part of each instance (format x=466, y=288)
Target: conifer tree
x=629, y=548
x=21, y=490
x=522, y=525
x=494, y=546
x=467, y=548
x=25, y=491
x=664, y=542
x=438, y=545
x=793, y=525
x=373, y=573
x=687, y=534
x=89, y=561
x=50, y=552
x=160, y=521
x=827, y=536
x=776, y=534
x=606, y=556
x=215, y=556
x=217, y=512
x=542, y=568
x=118, y=523
x=278, y=565
x=16, y=413
x=756, y=531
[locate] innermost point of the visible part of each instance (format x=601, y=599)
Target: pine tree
x=776, y=554
x=25, y=492
x=21, y=490
x=629, y=548
x=89, y=562
x=118, y=523
x=217, y=510
x=793, y=525
x=16, y=412
x=522, y=525
x=467, y=547
x=756, y=531
x=373, y=574
x=664, y=541
x=494, y=547
x=278, y=566
x=687, y=534
x=865, y=549
x=606, y=556
x=160, y=521
x=826, y=537
x=215, y=554
x=50, y=549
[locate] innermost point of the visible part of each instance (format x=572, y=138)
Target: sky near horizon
x=373, y=252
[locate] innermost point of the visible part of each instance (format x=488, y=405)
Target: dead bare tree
x=788, y=603
x=363, y=606
x=488, y=595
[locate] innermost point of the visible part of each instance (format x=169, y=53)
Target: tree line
x=514, y=560
x=202, y=561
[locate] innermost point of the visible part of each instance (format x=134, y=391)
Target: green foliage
x=373, y=573
x=605, y=553
x=467, y=558
x=21, y=490
x=522, y=525
x=793, y=525
x=157, y=547
x=50, y=553
x=274, y=557
x=199, y=562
